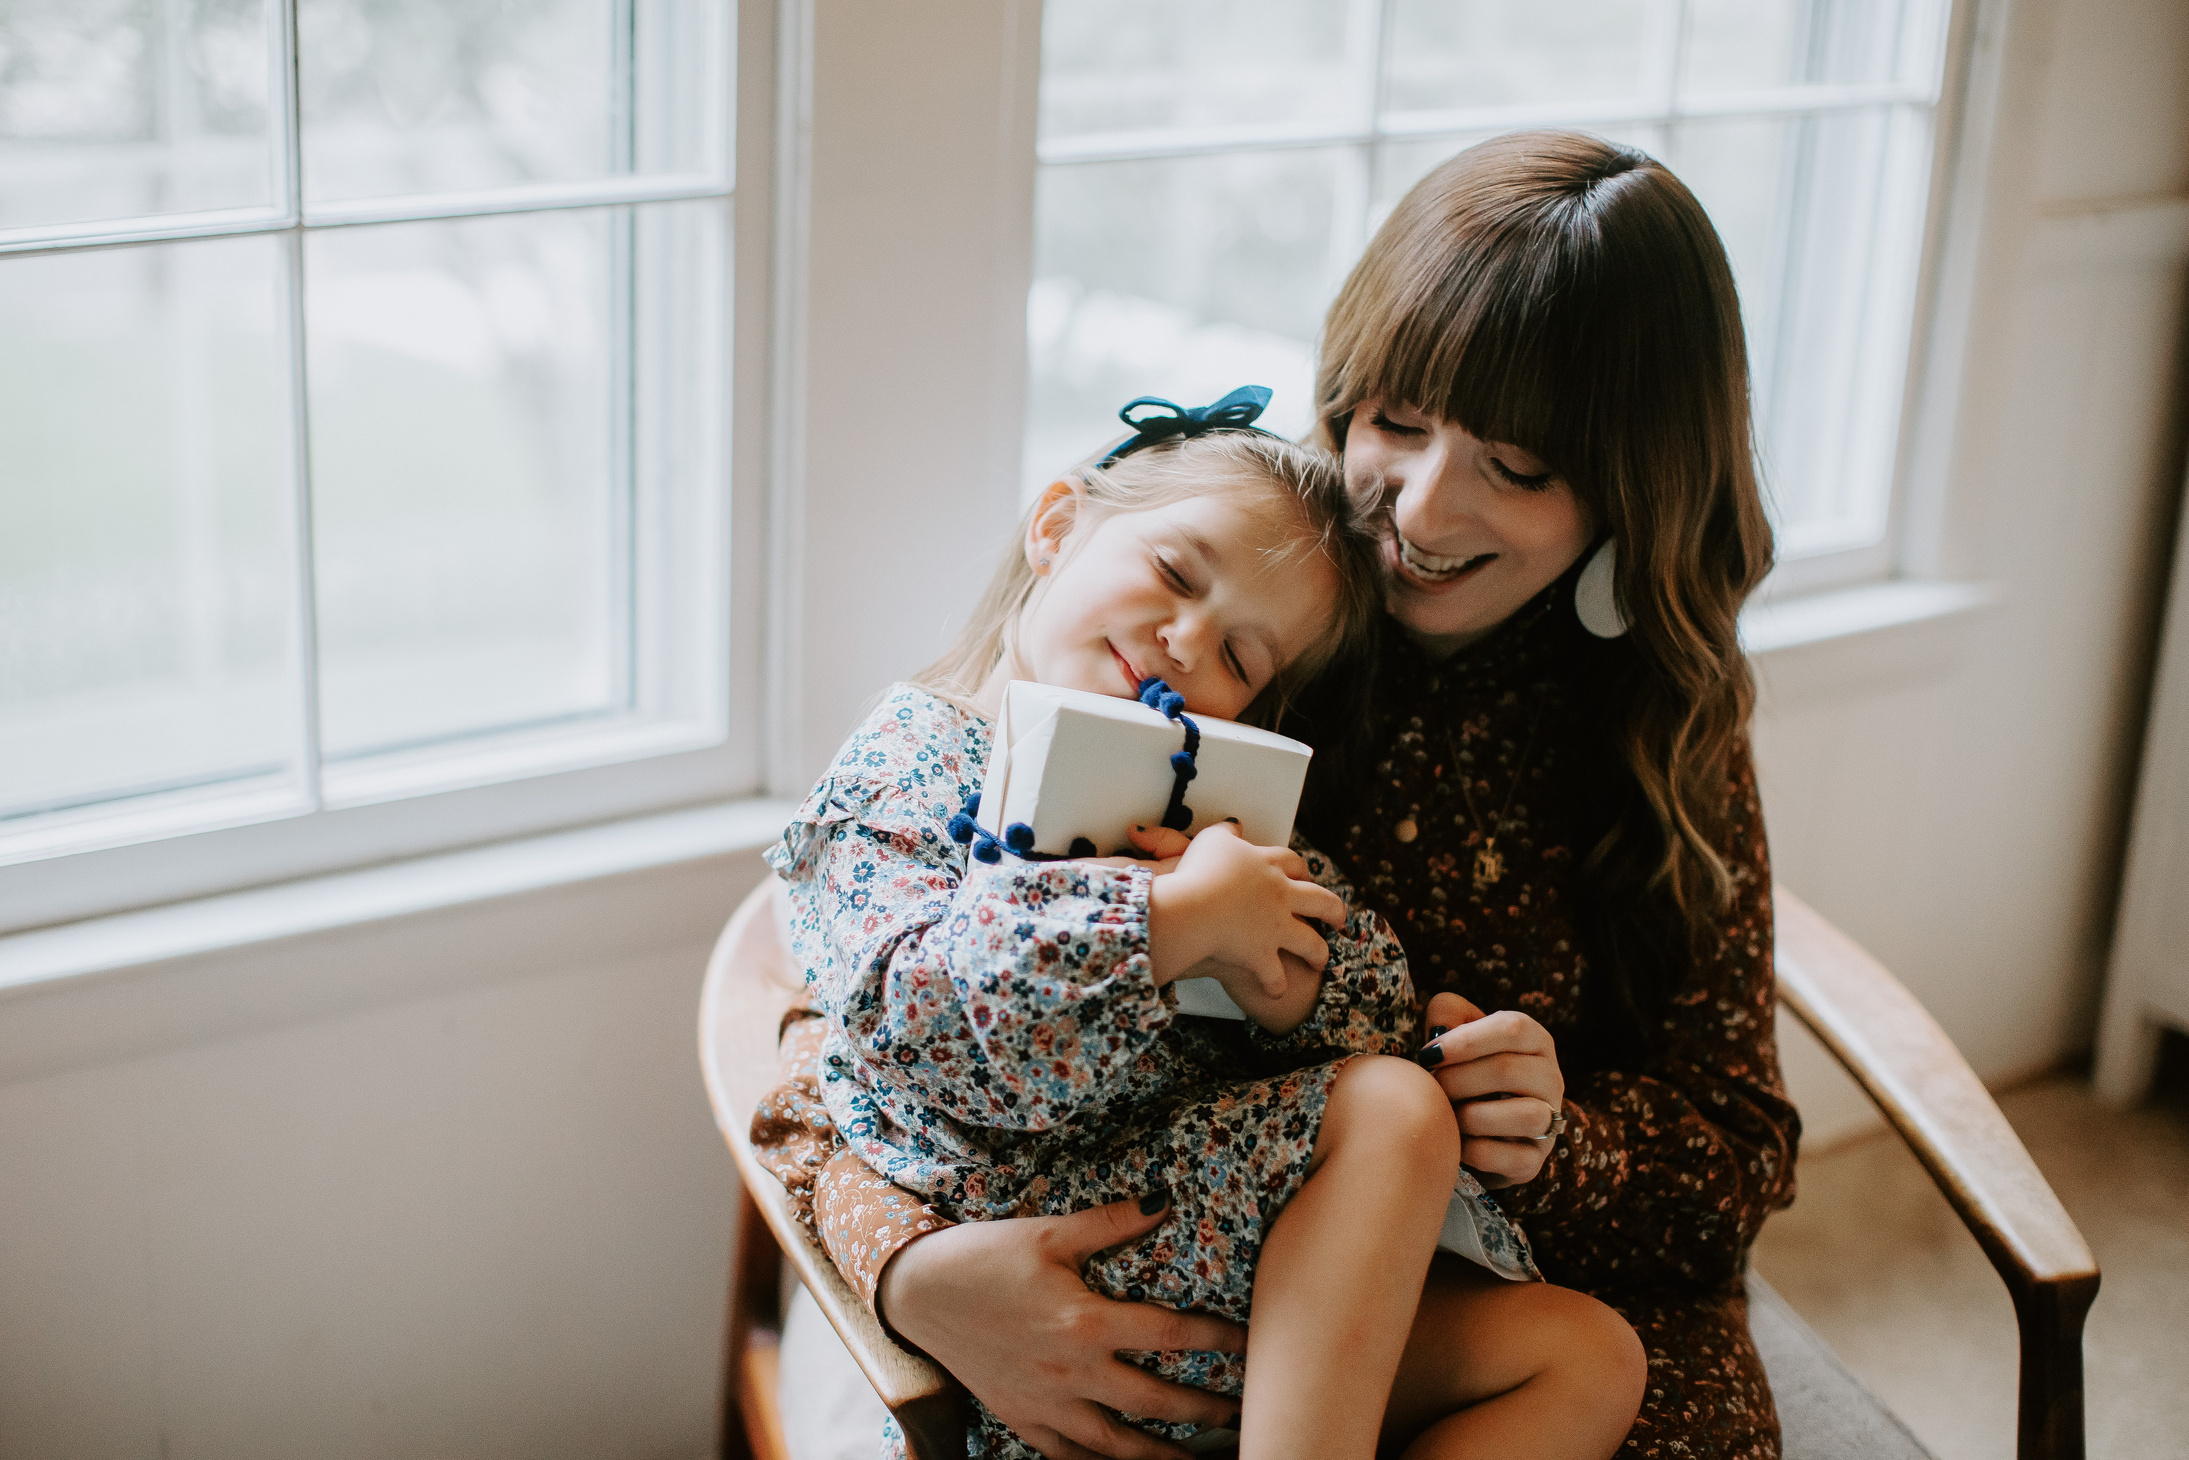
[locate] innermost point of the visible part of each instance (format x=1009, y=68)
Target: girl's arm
x=1669, y=1172
x=1016, y=997
x=1366, y=1003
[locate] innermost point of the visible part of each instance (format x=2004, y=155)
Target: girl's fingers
x=1320, y=903
x=1159, y=842
x=1291, y=863
x=1522, y=1119
x=1305, y=944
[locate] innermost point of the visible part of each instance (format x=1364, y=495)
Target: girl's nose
x=1183, y=638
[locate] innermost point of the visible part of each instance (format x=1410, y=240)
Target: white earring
x=1596, y=594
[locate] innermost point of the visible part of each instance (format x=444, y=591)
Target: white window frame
x=172, y=846
x=1658, y=103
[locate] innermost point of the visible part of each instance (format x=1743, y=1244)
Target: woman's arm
x=1670, y=1173
x=1037, y=1347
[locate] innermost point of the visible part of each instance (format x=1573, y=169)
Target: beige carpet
x=1877, y=1263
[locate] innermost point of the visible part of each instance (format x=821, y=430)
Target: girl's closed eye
x=1382, y=422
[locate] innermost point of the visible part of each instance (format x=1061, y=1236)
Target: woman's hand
x=1501, y=1072
x=1238, y=904
x=1002, y=1306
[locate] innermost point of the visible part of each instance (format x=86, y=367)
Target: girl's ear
x=1050, y=523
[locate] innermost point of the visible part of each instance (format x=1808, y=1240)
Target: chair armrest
x=1907, y=1065
x=749, y=986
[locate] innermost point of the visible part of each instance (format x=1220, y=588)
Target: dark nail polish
x=1431, y=1056
x=1437, y=1031
x=1232, y=819
x=1154, y=1202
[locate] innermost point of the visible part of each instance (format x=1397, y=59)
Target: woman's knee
x=1396, y=1107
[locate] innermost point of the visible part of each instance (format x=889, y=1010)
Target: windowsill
x=349, y=900
x=1847, y=613
x=1851, y=640
x=1867, y=623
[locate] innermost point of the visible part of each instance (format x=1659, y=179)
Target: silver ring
x=1558, y=1128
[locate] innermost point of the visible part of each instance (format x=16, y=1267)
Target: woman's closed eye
x=1529, y=483
x=1171, y=574
x=1383, y=422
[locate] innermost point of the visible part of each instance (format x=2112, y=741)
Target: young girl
x=1000, y=1039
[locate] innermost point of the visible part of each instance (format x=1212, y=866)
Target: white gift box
x=1071, y=764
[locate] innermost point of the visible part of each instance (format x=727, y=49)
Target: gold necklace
x=1489, y=864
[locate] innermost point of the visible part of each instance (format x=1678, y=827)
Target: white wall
x=1958, y=805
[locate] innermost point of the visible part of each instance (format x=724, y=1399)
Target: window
x=1210, y=170
x=362, y=417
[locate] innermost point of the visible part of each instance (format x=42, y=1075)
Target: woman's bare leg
x=1495, y=1369
x=1342, y=1269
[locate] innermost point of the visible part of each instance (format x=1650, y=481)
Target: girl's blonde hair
x=1306, y=481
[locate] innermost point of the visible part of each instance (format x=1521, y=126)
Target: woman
x=1538, y=370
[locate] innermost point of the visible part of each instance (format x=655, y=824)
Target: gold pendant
x=1489, y=866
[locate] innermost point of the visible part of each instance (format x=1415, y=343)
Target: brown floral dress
x=1669, y=1163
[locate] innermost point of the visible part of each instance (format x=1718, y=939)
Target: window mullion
x=304, y=604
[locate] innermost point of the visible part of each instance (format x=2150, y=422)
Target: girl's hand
x=1001, y=1305
x=1501, y=1072
x=1239, y=904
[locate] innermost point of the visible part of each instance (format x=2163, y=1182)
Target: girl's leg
x=1342, y=1268
x=1494, y=1369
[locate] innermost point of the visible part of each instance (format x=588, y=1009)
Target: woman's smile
x=1428, y=569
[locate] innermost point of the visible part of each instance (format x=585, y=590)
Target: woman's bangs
x=1487, y=348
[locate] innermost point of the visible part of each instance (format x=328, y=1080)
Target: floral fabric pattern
x=1670, y=1163
x=993, y=1044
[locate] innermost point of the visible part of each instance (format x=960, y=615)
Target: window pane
x=465, y=504
x=1745, y=45
x=472, y=462
x=1442, y=54
x=1823, y=216
x=421, y=96
x=144, y=531
x=119, y=108
x=1182, y=279
x=1125, y=65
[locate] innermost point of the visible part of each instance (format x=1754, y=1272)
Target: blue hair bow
x=1164, y=419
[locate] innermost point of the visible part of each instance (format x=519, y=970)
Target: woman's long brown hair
x=1569, y=296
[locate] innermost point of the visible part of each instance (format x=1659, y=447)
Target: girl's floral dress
x=995, y=1043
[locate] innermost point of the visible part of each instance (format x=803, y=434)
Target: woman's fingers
x=1522, y=1119
x=1501, y=1074
x=1136, y=1391
x=1506, y=1031
x=1449, y=1011
x=1500, y=1162
x=1073, y=1240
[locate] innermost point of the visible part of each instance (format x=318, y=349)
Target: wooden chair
x=1872, y=1024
